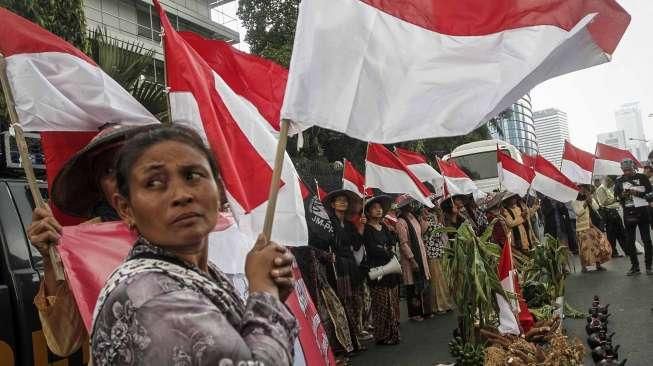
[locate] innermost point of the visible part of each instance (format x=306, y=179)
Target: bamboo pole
x=26, y=162
x=276, y=178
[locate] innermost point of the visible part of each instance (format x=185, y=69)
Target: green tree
x=270, y=27
x=64, y=18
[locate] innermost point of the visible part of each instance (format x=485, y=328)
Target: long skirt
x=354, y=305
x=440, y=297
x=418, y=301
x=385, y=314
x=594, y=247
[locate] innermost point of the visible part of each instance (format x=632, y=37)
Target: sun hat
x=384, y=200
x=353, y=198
x=75, y=190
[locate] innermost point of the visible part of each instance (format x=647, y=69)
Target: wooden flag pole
x=276, y=178
x=26, y=162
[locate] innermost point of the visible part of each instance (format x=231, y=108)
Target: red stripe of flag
x=482, y=17
x=546, y=168
x=582, y=158
x=381, y=156
x=515, y=167
x=607, y=152
x=410, y=157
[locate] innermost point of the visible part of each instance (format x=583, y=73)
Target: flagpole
x=498, y=161
x=276, y=178
x=25, y=160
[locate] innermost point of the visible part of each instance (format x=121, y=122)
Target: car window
x=25, y=204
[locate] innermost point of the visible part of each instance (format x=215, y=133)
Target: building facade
x=629, y=119
x=515, y=126
x=551, y=129
x=138, y=21
x=615, y=139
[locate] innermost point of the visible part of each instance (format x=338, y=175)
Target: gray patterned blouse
x=164, y=314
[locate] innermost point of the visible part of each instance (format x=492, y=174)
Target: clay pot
x=595, y=326
x=594, y=339
x=610, y=361
x=599, y=353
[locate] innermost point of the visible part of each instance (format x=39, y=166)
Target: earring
x=132, y=226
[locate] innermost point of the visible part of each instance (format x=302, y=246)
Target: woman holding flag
x=167, y=303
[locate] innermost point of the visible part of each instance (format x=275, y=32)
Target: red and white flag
x=456, y=181
x=577, y=164
x=608, y=159
x=508, y=323
x=513, y=176
x=528, y=160
x=353, y=180
x=415, y=69
x=552, y=183
x=243, y=141
x=384, y=170
x=418, y=164
x=319, y=191
x=61, y=92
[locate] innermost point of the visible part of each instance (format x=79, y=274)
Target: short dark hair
x=135, y=146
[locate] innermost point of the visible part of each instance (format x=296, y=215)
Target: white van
x=479, y=160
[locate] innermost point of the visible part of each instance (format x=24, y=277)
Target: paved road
x=630, y=299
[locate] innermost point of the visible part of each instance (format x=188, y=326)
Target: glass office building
x=515, y=126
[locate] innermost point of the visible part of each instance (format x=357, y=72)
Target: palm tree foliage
x=128, y=63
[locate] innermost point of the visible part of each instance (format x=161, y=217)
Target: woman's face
x=340, y=203
x=375, y=211
x=174, y=199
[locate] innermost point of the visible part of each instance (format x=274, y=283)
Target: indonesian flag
x=415, y=69
x=514, y=176
x=508, y=323
x=456, y=181
x=319, y=191
x=243, y=141
x=384, y=170
x=353, y=180
x=609, y=158
x=552, y=183
x=418, y=164
x=61, y=92
x=577, y=164
x=529, y=160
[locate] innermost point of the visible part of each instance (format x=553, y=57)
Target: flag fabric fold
x=552, y=183
x=608, y=159
x=418, y=164
x=243, y=141
x=56, y=87
x=384, y=170
x=508, y=323
x=353, y=180
x=513, y=176
x=577, y=164
x=456, y=181
x=416, y=69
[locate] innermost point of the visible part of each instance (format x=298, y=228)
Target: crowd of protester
x=168, y=304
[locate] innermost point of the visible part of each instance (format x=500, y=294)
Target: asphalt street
x=630, y=299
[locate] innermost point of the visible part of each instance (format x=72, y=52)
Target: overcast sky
x=590, y=96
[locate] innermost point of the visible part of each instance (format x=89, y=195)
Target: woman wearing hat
x=500, y=233
x=414, y=262
x=436, y=241
x=593, y=246
x=517, y=217
x=343, y=205
x=82, y=188
x=379, y=245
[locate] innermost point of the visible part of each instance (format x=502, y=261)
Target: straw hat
x=495, y=200
x=353, y=198
x=384, y=200
x=75, y=190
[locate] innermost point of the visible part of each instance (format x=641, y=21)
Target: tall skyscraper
x=551, y=129
x=515, y=126
x=629, y=119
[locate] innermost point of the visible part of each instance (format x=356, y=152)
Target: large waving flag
x=242, y=139
x=415, y=69
x=61, y=92
x=384, y=170
x=418, y=164
x=508, y=323
x=552, y=183
x=513, y=176
x=353, y=180
x=456, y=181
x=608, y=159
x=577, y=164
